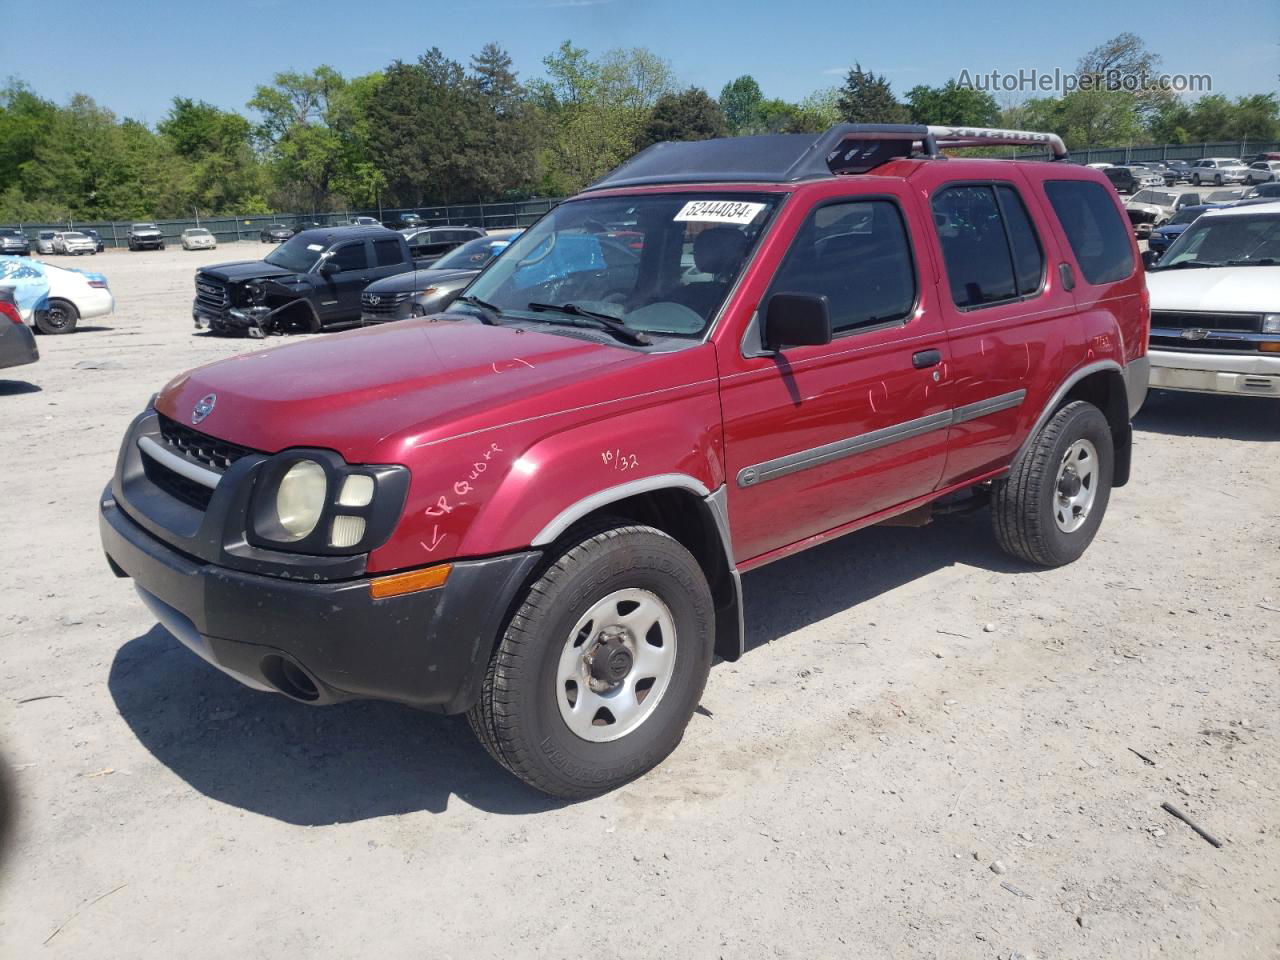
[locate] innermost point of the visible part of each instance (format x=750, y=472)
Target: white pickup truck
x=1215, y=305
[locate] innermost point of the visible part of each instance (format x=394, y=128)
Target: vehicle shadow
x=843, y=573
x=93, y=328
x=302, y=765
x=1178, y=414
x=356, y=761
x=12, y=388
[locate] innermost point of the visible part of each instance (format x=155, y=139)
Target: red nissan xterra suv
x=536, y=506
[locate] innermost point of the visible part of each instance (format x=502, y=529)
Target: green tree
x=867, y=98
x=505, y=128
x=1088, y=118
x=1122, y=58
x=24, y=125
x=222, y=173
x=688, y=115
x=952, y=105
x=739, y=100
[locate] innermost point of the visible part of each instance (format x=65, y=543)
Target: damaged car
x=1148, y=209
x=310, y=282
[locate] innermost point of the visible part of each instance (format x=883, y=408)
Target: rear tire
x=616, y=596
x=1048, y=509
x=60, y=316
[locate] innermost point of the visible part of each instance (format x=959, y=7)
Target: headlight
x=1271, y=323
x=300, y=498
x=314, y=502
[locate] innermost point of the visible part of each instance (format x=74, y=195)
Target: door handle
x=926, y=358
x=1068, y=276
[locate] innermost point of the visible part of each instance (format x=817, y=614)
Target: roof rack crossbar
x=993, y=137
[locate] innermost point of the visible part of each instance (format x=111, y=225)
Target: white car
x=44, y=241
x=1218, y=170
x=198, y=238
x=1263, y=171
x=54, y=299
x=1151, y=208
x=1215, y=305
x=74, y=243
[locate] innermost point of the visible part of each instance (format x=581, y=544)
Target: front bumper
x=1254, y=375
x=427, y=649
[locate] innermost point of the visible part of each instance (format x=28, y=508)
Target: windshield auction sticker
x=719, y=211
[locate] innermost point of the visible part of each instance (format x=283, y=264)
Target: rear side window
x=1098, y=236
x=386, y=252
x=989, y=245
x=858, y=256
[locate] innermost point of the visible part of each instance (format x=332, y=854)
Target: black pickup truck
x=310, y=282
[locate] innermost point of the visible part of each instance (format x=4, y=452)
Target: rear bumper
x=1253, y=375
x=95, y=302
x=428, y=649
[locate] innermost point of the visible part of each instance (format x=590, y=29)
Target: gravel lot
x=915, y=708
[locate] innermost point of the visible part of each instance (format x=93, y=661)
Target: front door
x=819, y=437
x=340, y=290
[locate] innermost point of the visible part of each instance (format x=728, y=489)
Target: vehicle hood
x=245, y=270
x=1171, y=230
x=375, y=394
x=415, y=280
x=1226, y=289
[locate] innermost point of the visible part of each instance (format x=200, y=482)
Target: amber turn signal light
x=1269, y=346
x=401, y=583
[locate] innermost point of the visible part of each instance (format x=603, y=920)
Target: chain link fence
x=491, y=216
x=1243, y=149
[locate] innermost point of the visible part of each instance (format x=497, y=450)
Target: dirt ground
x=929, y=751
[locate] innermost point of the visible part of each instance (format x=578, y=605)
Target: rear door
x=819, y=437
x=1003, y=309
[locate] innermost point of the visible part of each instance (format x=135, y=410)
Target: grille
x=211, y=294
x=200, y=447
x=176, y=485
x=1235, y=322
x=1203, y=346
x=387, y=304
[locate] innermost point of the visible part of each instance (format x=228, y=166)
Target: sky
x=134, y=56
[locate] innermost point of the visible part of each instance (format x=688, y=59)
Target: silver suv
x=1218, y=170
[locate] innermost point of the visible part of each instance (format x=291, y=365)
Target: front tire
x=602, y=665
x=60, y=316
x=1048, y=509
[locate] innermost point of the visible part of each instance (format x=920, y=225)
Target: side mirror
x=1149, y=257
x=328, y=266
x=796, y=320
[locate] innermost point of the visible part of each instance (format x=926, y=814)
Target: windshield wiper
x=489, y=313
x=1187, y=263
x=1260, y=262
x=610, y=323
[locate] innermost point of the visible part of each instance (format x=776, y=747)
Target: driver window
x=351, y=256
x=858, y=256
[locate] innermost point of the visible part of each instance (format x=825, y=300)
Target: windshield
x=144, y=226
x=1185, y=215
x=472, y=255
x=1227, y=240
x=196, y=233
x=1158, y=197
x=74, y=236
x=10, y=233
x=298, y=254
x=660, y=263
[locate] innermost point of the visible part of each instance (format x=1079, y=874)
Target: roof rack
x=849, y=148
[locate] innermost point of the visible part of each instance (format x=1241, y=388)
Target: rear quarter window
x=1099, y=237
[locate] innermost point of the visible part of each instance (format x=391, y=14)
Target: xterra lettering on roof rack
x=849, y=148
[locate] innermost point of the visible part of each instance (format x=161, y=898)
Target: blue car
x=1161, y=237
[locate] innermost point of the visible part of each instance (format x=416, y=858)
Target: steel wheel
x=1076, y=486
x=616, y=664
